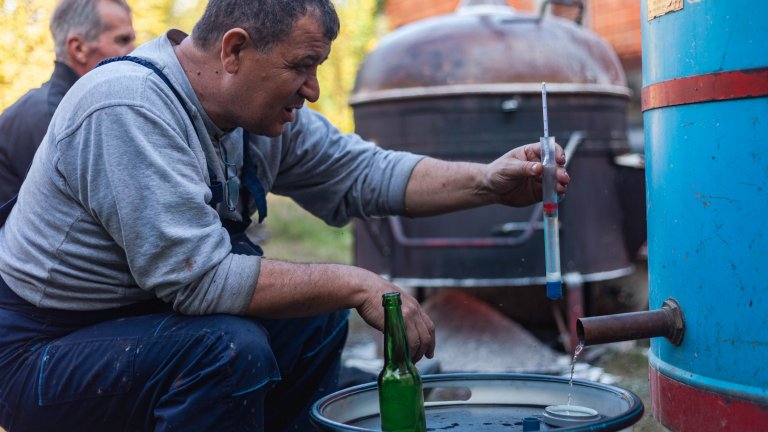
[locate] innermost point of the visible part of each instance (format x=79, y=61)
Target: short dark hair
x=267, y=22
x=81, y=17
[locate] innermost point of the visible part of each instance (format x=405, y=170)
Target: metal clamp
x=575, y=3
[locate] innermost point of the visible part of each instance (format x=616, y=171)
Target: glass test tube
x=551, y=234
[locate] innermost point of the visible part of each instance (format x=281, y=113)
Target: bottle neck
x=395, y=340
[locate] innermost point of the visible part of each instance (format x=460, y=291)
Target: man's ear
x=77, y=50
x=233, y=43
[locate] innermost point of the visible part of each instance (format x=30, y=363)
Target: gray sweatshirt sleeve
x=143, y=183
x=339, y=176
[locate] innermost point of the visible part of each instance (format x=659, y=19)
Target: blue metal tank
x=705, y=102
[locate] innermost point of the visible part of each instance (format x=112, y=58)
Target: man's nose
x=310, y=90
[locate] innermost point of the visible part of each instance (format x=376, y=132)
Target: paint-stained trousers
x=145, y=368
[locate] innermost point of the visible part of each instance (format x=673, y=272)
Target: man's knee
x=240, y=347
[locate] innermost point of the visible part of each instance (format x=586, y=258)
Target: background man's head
x=267, y=22
x=88, y=31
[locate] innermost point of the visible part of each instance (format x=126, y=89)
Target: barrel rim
x=363, y=97
x=633, y=414
x=568, y=278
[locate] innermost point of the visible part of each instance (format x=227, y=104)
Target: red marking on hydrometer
x=550, y=209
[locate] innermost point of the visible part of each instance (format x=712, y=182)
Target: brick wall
x=402, y=12
x=618, y=22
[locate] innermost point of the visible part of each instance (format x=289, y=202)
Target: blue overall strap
x=241, y=244
x=217, y=188
x=252, y=184
x=250, y=187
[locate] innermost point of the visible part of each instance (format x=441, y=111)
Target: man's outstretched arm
x=437, y=187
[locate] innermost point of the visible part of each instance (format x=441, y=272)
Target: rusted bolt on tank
x=667, y=321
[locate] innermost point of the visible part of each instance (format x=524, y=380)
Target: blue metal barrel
x=705, y=102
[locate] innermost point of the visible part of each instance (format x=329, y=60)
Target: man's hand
x=438, y=187
x=295, y=290
x=515, y=178
x=418, y=326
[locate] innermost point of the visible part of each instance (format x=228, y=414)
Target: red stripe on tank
x=747, y=83
x=682, y=408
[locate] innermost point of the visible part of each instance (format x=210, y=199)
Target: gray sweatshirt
x=115, y=208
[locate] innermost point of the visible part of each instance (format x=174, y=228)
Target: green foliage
x=26, y=46
x=26, y=49
x=295, y=235
x=359, y=28
x=154, y=17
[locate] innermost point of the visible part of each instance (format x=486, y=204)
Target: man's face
x=116, y=40
x=271, y=86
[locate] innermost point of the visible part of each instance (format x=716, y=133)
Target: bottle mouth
x=391, y=299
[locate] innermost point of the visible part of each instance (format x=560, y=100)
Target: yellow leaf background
x=26, y=48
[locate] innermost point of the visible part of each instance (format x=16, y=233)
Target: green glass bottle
x=401, y=399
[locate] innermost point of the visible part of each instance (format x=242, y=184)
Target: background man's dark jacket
x=23, y=126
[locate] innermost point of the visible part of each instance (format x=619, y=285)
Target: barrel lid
x=487, y=47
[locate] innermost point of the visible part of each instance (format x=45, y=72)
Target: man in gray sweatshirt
x=130, y=297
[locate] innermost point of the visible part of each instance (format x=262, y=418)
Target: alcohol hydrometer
x=549, y=191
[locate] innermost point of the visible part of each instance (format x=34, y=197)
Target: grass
x=295, y=235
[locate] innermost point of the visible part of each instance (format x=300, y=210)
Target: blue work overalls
x=145, y=368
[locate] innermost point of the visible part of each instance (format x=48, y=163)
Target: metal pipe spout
x=667, y=321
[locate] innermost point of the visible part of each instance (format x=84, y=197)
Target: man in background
x=84, y=33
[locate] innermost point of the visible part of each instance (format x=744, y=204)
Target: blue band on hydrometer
x=554, y=290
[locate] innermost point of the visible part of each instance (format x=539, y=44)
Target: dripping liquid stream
x=576, y=353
